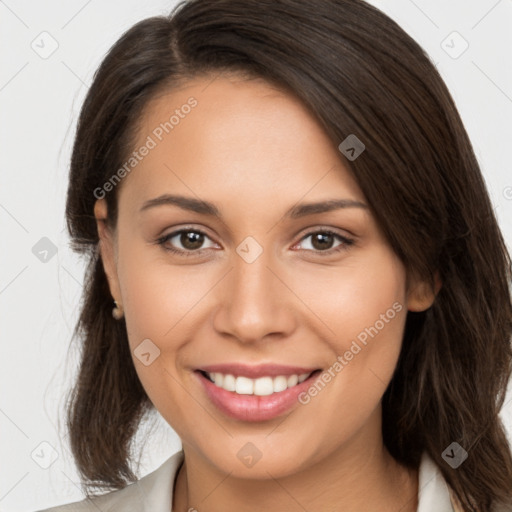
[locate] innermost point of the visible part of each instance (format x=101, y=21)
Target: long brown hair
x=359, y=73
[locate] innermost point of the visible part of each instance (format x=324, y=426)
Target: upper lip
x=255, y=371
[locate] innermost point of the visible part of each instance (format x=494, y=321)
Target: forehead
x=228, y=137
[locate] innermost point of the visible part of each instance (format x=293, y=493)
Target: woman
x=293, y=258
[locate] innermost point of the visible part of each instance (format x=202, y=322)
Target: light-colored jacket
x=153, y=492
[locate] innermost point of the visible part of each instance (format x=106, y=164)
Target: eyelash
x=346, y=242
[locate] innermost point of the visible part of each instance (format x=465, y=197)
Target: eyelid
x=161, y=240
x=346, y=241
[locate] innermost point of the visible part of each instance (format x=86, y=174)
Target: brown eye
x=191, y=239
x=324, y=241
x=186, y=242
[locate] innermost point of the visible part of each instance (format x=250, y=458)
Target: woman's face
x=264, y=286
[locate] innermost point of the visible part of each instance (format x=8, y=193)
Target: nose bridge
x=253, y=302
x=252, y=282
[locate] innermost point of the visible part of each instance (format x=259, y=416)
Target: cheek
x=161, y=304
x=360, y=310
x=356, y=308
x=156, y=301
x=352, y=297
x=156, y=296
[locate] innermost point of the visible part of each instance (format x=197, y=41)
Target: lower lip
x=253, y=407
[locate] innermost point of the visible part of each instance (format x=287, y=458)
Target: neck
x=362, y=476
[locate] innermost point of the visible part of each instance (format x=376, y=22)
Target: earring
x=117, y=312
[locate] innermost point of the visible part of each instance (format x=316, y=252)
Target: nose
x=254, y=302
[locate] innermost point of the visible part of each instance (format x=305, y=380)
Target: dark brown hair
x=359, y=73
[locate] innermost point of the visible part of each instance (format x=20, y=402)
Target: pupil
x=191, y=239
x=322, y=241
x=194, y=240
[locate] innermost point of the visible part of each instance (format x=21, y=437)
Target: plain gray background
x=40, y=96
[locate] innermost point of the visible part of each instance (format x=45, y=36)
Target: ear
x=107, y=248
x=421, y=296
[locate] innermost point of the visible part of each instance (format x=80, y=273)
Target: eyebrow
x=207, y=208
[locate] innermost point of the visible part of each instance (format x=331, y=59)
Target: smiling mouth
x=262, y=386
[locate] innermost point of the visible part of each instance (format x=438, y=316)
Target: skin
x=255, y=152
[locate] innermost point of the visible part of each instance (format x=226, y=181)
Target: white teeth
x=280, y=384
x=292, y=380
x=229, y=383
x=262, y=386
x=244, y=386
x=218, y=378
